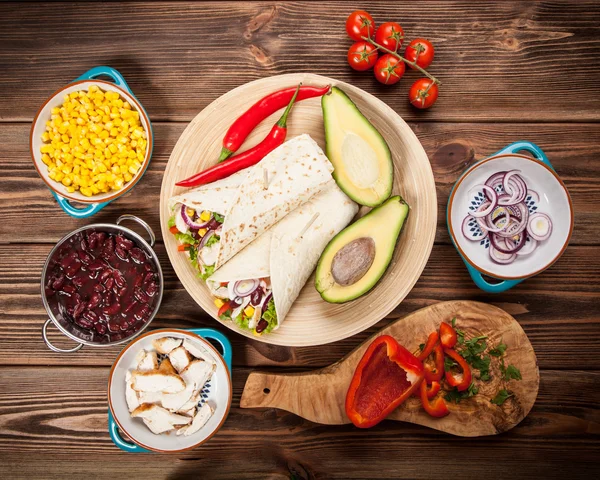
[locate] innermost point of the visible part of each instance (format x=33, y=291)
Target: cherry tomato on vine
x=423, y=93
x=420, y=50
x=390, y=35
x=388, y=69
x=360, y=24
x=362, y=56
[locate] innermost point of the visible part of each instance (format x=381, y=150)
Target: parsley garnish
x=501, y=397
x=218, y=218
x=455, y=396
x=422, y=346
x=510, y=373
x=193, y=252
x=453, y=322
x=499, y=350
x=449, y=363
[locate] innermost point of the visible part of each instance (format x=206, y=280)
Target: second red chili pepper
x=247, y=121
x=246, y=159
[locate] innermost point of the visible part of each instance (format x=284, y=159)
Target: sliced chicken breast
x=180, y=358
x=202, y=416
x=158, y=419
x=166, y=344
x=156, y=381
x=130, y=393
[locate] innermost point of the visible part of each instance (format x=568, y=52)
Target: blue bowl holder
x=207, y=333
x=476, y=275
x=118, y=80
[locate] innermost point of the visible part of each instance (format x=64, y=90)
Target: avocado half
x=380, y=228
x=361, y=158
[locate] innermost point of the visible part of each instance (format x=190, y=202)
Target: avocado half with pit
x=357, y=257
x=361, y=158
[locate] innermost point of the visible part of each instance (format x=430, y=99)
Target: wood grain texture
x=558, y=320
x=311, y=321
x=510, y=70
x=319, y=396
x=451, y=148
x=66, y=429
x=492, y=58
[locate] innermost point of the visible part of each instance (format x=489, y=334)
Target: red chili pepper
x=437, y=408
x=386, y=376
x=436, y=373
x=173, y=230
x=241, y=128
x=431, y=341
x=246, y=159
x=447, y=335
x=460, y=384
x=226, y=306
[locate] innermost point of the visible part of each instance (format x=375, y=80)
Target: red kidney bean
x=149, y=277
x=96, y=266
x=95, y=300
x=121, y=293
x=109, y=283
x=82, y=322
x=130, y=307
x=100, y=328
x=151, y=289
x=58, y=282
x=85, y=257
x=140, y=295
x=123, y=242
x=138, y=255
x=68, y=289
x=113, y=325
x=108, y=247
x=78, y=310
x=73, y=268
x=105, y=274
x=139, y=279
x=121, y=252
x=112, y=309
x=99, y=288
x=49, y=292
x=101, y=237
x=91, y=316
x=261, y=325
x=119, y=278
x=115, y=337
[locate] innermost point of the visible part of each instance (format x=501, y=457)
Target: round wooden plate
x=312, y=321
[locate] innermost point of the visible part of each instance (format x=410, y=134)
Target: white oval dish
x=218, y=393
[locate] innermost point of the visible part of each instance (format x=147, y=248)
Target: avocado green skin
x=347, y=189
x=392, y=229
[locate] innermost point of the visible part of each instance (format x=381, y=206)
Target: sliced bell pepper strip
x=460, y=384
x=448, y=336
x=433, y=390
x=183, y=247
x=437, y=408
x=431, y=341
x=385, y=377
x=435, y=373
x=174, y=230
x=226, y=306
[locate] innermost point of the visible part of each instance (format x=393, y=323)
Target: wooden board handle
x=296, y=394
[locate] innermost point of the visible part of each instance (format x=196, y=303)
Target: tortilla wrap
x=286, y=254
x=295, y=171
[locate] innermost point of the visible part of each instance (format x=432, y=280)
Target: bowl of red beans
x=102, y=284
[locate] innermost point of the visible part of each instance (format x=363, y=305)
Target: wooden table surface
x=510, y=70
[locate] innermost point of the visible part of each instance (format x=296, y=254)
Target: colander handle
x=84, y=212
x=530, y=147
x=109, y=72
x=118, y=440
x=490, y=287
x=220, y=339
x=52, y=347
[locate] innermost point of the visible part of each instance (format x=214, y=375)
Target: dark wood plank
x=504, y=61
x=559, y=438
x=573, y=149
x=558, y=309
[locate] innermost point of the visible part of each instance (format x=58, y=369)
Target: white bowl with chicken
x=169, y=390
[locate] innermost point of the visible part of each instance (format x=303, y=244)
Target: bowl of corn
x=91, y=142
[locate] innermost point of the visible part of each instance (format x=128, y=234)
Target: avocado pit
x=353, y=261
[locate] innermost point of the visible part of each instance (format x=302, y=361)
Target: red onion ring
x=493, y=201
x=190, y=223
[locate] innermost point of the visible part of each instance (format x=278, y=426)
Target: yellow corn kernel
x=249, y=311
x=70, y=189
x=202, y=231
x=205, y=216
x=127, y=176
x=66, y=181
x=117, y=184
x=219, y=303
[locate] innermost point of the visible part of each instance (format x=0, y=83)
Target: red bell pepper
x=447, y=335
x=433, y=390
x=385, y=377
x=226, y=306
x=174, y=230
x=437, y=408
x=460, y=384
x=435, y=373
x=431, y=341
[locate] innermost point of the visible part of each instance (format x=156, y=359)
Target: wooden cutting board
x=319, y=396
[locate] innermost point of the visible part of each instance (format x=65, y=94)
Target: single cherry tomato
x=421, y=51
x=390, y=35
x=388, y=69
x=423, y=93
x=360, y=24
x=362, y=56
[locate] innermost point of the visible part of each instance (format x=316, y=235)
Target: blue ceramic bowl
x=91, y=205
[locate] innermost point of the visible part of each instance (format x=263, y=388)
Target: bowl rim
x=60, y=327
x=138, y=175
x=451, y=205
x=195, y=337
